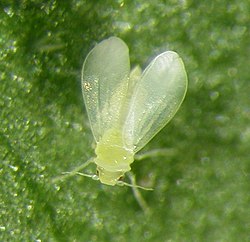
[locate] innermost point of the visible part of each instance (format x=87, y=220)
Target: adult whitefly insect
x=126, y=110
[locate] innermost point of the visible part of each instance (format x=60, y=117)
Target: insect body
x=127, y=109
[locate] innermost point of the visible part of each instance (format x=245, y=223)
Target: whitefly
x=126, y=109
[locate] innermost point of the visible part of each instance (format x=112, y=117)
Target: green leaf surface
x=201, y=187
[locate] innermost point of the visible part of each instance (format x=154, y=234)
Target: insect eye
x=121, y=178
x=97, y=172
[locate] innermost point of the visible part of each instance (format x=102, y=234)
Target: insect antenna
x=122, y=183
x=68, y=174
x=93, y=176
x=139, y=198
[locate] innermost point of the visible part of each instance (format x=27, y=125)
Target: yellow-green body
x=112, y=158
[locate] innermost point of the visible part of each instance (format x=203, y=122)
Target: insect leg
x=156, y=152
x=139, y=198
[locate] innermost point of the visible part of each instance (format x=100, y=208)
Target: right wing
x=156, y=97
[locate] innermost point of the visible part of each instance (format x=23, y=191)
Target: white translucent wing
x=155, y=99
x=104, y=83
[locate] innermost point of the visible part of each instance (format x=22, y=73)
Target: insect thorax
x=113, y=158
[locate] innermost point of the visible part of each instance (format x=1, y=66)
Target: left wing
x=105, y=76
